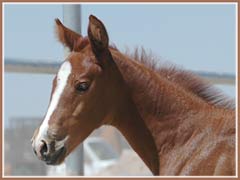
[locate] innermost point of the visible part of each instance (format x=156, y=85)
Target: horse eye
x=82, y=87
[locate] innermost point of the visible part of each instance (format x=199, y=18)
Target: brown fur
x=174, y=122
x=169, y=116
x=186, y=79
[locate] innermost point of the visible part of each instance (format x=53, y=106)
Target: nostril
x=35, y=152
x=43, y=148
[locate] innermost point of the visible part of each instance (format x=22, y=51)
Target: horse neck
x=125, y=117
x=129, y=122
x=159, y=95
x=178, y=120
x=161, y=104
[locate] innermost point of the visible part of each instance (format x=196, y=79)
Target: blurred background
x=198, y=37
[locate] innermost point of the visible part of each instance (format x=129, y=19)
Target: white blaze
x=62, y=77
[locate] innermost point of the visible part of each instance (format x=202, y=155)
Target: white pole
x=72, y=19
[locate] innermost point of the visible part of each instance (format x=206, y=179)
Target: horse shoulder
x=206, y=150
x=215, y=153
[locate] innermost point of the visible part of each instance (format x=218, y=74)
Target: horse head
x=81, y=96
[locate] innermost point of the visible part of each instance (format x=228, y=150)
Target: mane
x=186, y=79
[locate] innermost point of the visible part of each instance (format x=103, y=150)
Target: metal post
x=72, y=19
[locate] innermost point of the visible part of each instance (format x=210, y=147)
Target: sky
x=193, y=36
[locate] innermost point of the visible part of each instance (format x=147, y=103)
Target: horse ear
x=66, y=36
x=97, y=35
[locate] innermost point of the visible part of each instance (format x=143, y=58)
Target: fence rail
x=51, y=67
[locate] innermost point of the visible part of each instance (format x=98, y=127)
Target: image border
x=114, y=177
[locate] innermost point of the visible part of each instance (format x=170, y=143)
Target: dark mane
x=187, y=79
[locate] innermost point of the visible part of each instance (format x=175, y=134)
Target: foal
x=169, y=117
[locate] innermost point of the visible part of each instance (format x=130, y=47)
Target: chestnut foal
x=169, y=116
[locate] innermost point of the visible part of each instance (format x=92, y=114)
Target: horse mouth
x=57, y=157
